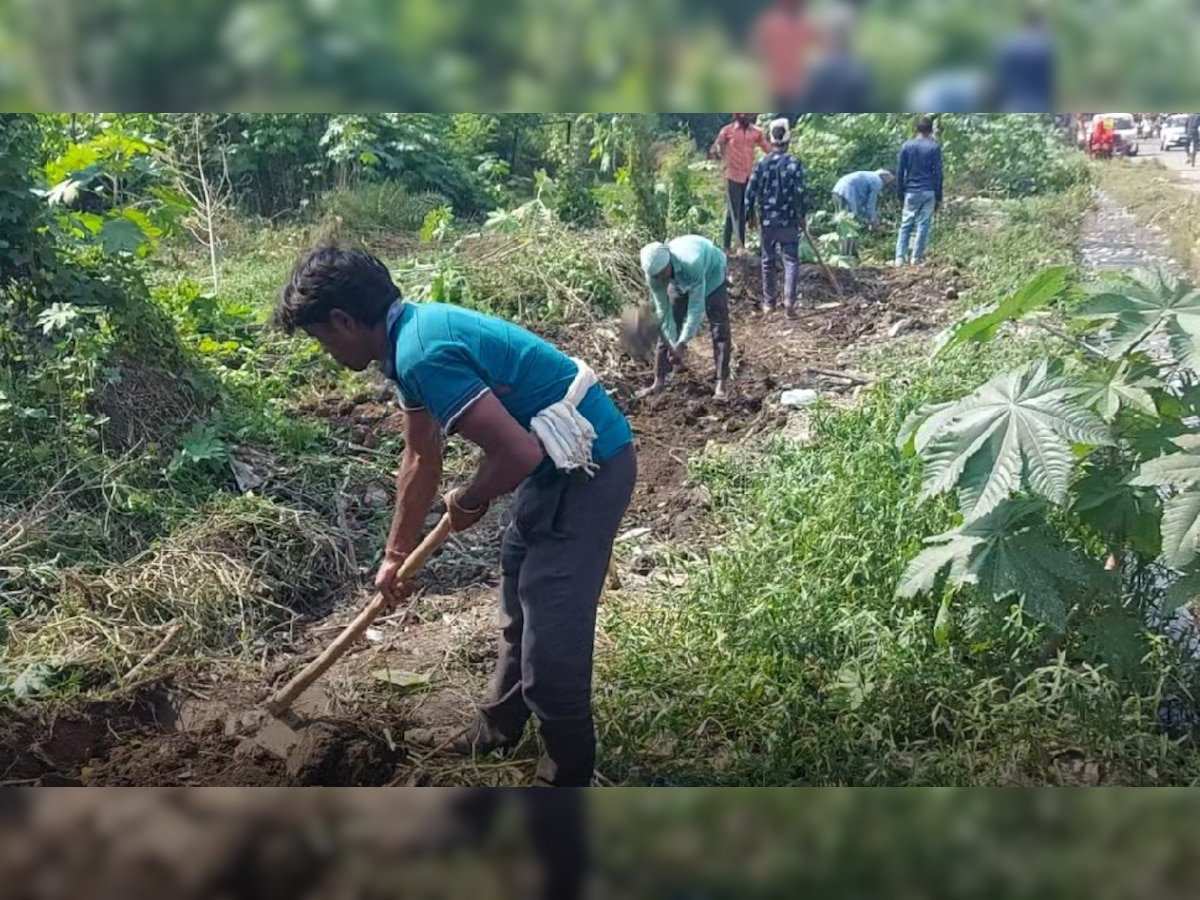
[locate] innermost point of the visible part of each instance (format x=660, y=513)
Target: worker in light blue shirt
x=858, y=194
x=687, y=283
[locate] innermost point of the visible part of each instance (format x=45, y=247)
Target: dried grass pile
x=217, y=587
x=568, y=274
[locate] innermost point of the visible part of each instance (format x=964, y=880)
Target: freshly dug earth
x=141, y=741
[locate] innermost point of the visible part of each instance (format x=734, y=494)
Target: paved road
x=1175, y=160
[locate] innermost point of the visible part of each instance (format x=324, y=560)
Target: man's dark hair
x=334, y=277
x=924, y=125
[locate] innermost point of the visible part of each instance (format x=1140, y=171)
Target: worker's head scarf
x=780, y=131
x=655, y=258
x=885, y=176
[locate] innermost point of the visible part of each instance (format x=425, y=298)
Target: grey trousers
x=553, y=562
x=788, y=241
x=716, y=309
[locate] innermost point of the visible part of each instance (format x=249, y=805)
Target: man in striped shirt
x=735, y=145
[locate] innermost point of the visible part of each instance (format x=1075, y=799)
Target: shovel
x=640, y=330
x=821, y=262
x=280, y=703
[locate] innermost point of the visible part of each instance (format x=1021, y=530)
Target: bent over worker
x=687, y=281
x=858, y=194
x=548, y=431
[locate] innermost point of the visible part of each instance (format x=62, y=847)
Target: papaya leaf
x=1140, y=305
x=1181, y=593
x=1008, y=553
x=1036, y=293
x=1120, y=386
x=1120, y=511
x=1118, y=640
x=1015, y=432
x=1180, y=528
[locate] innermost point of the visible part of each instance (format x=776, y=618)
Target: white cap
x=780, y=124
x=655, y=258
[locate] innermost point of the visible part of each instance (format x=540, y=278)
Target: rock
x=951, y=294
x=798, y=398
x=900, y=327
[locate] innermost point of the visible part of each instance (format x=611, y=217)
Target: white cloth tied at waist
x=566, y=436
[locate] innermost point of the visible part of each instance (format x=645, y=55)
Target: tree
x=207, y=187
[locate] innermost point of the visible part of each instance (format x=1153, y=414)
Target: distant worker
x=687, y=281
x=1192, y=130
x=735, y=145
x=777, y=191
x=919, y=182
x=858, y=194
x=782, y=40
x=1025, y=67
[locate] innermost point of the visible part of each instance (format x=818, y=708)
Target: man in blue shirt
x=547, y=430
x=858, y=194
x=1025, y=67
x=919, y=182
x=777, y=191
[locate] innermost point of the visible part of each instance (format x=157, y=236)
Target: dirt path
x=205, y=727
x=1113, y=240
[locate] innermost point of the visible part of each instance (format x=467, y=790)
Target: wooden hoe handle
x=282, y=700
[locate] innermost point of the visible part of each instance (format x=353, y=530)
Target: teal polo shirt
x=446, y=357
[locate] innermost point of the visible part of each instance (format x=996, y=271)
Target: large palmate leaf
x=1015, y=432
x=1119, y=511
x=1137, y=306
x=1117, y=638
x=1182, y=592
x=981, y=327
x=1007, y=553
x=1122, y=385
x=1181, y=511
x=1180, y=528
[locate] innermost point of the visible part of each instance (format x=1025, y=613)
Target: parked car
x=1125, y=139
x=1173, y=133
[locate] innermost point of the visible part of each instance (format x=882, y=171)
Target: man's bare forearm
x=500, y=474
x=416, y=486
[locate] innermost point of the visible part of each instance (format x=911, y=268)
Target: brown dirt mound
x=141, y=742
x=146, y=405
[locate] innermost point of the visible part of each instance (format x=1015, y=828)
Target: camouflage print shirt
x=777, y=191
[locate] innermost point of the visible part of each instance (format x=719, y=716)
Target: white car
x=1125, y=131
x=1174, y=133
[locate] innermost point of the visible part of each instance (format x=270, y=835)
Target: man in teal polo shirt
x=547, y=430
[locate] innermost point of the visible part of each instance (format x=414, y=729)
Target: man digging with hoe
x=547, y=430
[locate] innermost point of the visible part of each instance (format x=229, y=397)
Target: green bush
x=373, y=207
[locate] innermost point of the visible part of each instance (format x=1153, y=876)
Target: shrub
x=373, y=207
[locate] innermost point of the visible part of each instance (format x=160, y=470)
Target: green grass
x=787, y=659
x=1155, y=196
